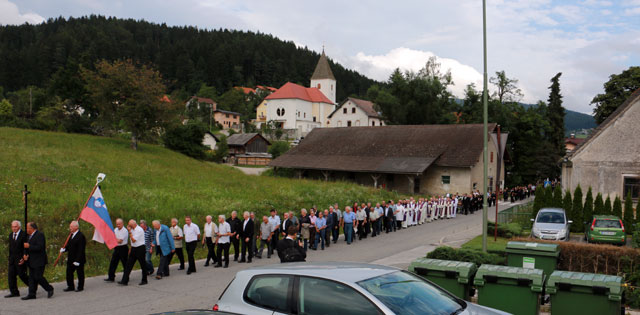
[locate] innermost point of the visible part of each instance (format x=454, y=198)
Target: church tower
x=323, y=78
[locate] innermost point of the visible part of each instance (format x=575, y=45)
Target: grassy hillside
x=152, y=183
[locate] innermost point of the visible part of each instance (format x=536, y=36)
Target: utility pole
x=485, y=115
x=499, y=164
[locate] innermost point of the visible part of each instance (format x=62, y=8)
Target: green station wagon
x=605, y=229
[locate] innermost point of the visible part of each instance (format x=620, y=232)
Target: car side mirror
x=569, y=222
x=532, y=220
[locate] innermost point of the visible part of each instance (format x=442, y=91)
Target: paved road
x=201, y=289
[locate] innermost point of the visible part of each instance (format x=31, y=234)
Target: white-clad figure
x=455, y=206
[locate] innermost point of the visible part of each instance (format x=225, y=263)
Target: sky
x=531, y=40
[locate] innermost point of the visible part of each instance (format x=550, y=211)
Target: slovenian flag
x=96, y=213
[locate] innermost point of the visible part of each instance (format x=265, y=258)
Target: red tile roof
x=292, y=90
x=204, y=100
x=246, y=90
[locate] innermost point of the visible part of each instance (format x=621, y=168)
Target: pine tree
x=576, y=210
x=538, y=201
x=548, y=197
x=628, y=214
x=567, y=204
x=598, y=205
x=607, y=206
x=587, y=208
x=555, y=116
x=557, y=197
x=617, y=207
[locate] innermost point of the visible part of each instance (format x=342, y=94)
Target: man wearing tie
x=76, y=257
x=246, y=235
x=36, y=258
x=17, y=267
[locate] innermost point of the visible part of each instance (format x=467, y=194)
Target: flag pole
x=485, y=115
x=99, y=179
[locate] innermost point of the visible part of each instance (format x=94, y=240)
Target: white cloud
x=9, y=14
x=379, y=67
x=632, y=11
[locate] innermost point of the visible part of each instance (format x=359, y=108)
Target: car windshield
x=550, y=217
x=405, y=293
x=614, y=224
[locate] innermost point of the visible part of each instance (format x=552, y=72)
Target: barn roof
x=387, y=149
x=241, y=139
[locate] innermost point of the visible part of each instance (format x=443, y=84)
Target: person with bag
x=290, y=250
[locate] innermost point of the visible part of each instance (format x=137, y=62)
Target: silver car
x=338, y=288
x=551, y=224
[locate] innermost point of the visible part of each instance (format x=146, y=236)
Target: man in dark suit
x=17, y=267
x=246, y=235
x=284, y=226
x=76, y=257
x=36, y=258
x=290, y=250
x=236, y=228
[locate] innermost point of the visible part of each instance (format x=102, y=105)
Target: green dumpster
x=532, y=255
x=584, y=293
x=453, y=276
x=510, y=289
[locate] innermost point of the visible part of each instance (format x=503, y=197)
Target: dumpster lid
x=613, y=283
x=464, y=269
x=544, y=249
x=535, y=275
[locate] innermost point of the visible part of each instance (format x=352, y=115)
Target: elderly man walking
x=17, y=267
x=267, y=232
x=120, y=252
x=148, y=240
x=348, y=218
x=210, y=231
x=75, y=257
x=191, y=236
x=320, y=227
x=224, y=238
x=163, y=243
x=36, y=258
x=246, y=234
x=178, y=235
x=137, y=253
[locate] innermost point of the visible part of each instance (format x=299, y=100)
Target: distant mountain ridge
x=574, y=120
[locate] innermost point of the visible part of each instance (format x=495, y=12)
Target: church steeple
x=323, y=78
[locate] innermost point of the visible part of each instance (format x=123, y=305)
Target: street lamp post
x=485, y=114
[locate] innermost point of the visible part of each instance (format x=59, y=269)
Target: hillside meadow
x=151, y=183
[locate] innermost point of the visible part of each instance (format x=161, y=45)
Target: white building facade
x=354, y=112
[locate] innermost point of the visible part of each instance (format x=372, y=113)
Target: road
x=201, y=290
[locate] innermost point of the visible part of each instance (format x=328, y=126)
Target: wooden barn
x=249, y=149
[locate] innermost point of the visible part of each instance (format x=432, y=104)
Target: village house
x=210, y=141
x=354, y=112
x=227, y=119
x=199, y=102
x=608, y=161
x=249, y=149
x=572, y=142
x=424, y=159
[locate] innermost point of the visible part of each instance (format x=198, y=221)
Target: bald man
x=120, y=252
x=75, y=257
x=137, y=253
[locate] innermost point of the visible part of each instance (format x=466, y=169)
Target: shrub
x=628, y=217
x=587, y=209
x=222, y=150
x=567, y=203
x=598, y=205
x=576, y=211
x=538, y=201
x=557, y=197
x=468, y=255
x=607, y=206
x=186, y=139
x=617, y=207
x=508, y=230
x=278, y=148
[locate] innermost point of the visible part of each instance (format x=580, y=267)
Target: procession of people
x=291, y=236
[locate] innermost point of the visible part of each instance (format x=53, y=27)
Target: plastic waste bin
x=453, y=276
x=511, y=289
x=532, y=255
x=584, y=293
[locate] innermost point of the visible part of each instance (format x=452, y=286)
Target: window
x=331, y=87
x=280, y=111
x=328, y=123
x=226, y=115
x=446, y=179
x=344, y=110
x=631, y=185
x=270, y=292
x=348, y=123
x=373, y=123
x=353, y=110
x=335, y=298
x=491, y=157
x=305, y=115
x=314, y=118
x=319, y=86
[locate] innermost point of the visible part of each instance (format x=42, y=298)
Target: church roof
x=323, y=71
x=291, y=90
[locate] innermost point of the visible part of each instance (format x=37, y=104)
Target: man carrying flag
x=95, y=212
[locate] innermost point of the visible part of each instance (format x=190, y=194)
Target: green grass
x=151, y=183
x=492, y=246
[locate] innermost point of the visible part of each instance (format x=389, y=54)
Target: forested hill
x=185, y=56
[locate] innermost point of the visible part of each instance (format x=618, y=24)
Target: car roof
x=338, y=271
x=560, y=210
x=606, y=217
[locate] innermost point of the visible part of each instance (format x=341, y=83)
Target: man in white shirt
x=137, y=253
x=274, y=220
x=224, y=234
x=120, y=252
x=400, y=215
x=210, y=230
x=191, y=235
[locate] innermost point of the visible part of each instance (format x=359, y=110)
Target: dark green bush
x=508, y=230
x=186, y=139
x=468, y=255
